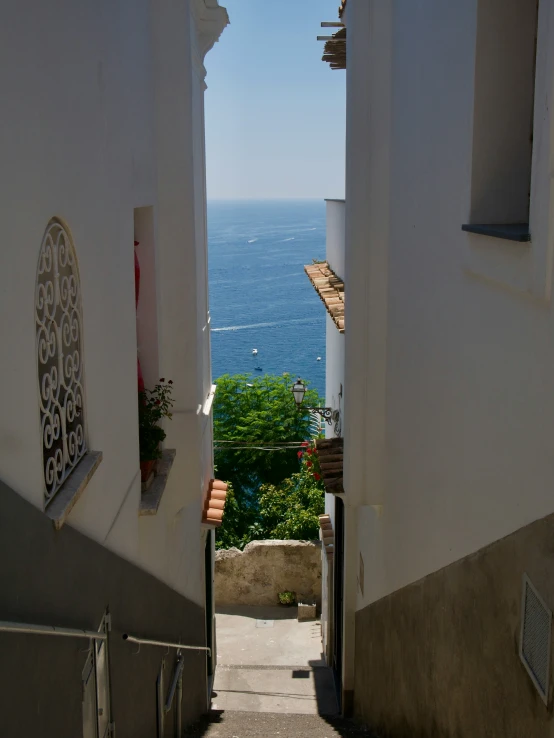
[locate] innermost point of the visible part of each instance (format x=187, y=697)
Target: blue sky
x=275, y=113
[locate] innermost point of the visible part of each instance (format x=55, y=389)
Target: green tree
x=290, y=509
x=252, y=414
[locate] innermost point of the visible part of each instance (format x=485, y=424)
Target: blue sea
x=260, y=296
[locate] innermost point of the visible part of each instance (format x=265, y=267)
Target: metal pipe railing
x=7, y=627
x=166, y=644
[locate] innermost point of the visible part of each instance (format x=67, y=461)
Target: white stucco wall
x=335, y=232
x=450, y=340
x=103, y=114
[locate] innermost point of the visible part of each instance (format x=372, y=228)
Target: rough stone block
x=306, y=611
x=256, y=575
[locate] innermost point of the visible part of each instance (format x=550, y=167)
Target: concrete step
x=235, y=724
x=277, y=689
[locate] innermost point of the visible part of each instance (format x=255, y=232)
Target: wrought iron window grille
x=58, y=315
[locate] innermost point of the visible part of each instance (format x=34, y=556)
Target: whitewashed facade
x=102, y=137
x=449, y=366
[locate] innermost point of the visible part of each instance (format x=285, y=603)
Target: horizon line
x=266, y=199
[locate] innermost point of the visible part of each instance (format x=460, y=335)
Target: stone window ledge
x=510, y=232
x=65, y=498
x=150, y=500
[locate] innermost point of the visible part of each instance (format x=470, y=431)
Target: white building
x=449, y=367
x=102, y=144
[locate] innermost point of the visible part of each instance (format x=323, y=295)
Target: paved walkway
x=270, y=725
x=268, y=662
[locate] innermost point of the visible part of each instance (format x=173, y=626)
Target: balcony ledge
x=150, y=500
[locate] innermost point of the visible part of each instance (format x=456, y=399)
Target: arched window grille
x=59, y=352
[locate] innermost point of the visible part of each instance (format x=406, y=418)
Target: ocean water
x=260, y=296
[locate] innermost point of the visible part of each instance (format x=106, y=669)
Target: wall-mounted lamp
x=298, y=390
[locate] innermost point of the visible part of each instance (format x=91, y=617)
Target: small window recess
x=153, y=484
x=504, y=95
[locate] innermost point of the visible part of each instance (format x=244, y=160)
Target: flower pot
x=146, y=469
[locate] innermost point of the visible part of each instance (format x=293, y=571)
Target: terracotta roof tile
x=212, y=514
x=334, y=51
x=330, y=288
x=327, y=535
x=330, y=452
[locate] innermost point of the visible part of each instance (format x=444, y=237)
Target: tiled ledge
x=150, y=500
x=74, y=486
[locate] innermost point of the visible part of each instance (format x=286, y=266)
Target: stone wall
x=256, y=575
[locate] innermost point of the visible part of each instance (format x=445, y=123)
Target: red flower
x=170, y=381
x=304, y=444
x=309, y=450
x=158, y=402
x=300, y=454
x=317, y=476
x=308, y=463
x=162, y=379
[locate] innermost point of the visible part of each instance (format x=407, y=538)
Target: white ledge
x=73, y=487
x=150, y=500
x=209, y=400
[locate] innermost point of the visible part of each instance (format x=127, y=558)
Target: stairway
x=237, y=724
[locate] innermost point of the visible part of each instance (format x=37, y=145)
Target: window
x=505, y=55
x=59, y=322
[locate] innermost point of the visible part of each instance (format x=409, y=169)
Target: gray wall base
x=64, y=578
x=439, y=658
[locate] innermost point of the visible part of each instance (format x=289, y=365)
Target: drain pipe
x=174, y=683
x=179, y=705
x=176, y=686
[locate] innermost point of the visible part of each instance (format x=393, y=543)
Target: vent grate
x=536, y=628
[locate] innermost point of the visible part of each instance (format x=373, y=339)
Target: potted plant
x=153, y=406
x=287, y=598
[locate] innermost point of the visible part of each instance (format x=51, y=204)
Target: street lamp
x=298, y=390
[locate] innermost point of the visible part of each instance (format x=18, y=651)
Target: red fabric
x=137, y=277
x=137, y=290
x=140, y=377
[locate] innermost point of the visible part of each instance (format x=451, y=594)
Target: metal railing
x=7, y=627
x=166, y=644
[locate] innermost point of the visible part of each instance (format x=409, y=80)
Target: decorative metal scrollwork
x=60, y=372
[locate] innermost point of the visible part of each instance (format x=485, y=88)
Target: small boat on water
x=258, y=369
x=254, y=351
x=319, y=358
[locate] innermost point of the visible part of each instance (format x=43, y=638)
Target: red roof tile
x=327, y=535
x=334, y=51
x=214, y=505
x=330, y=452
x=330, y=288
